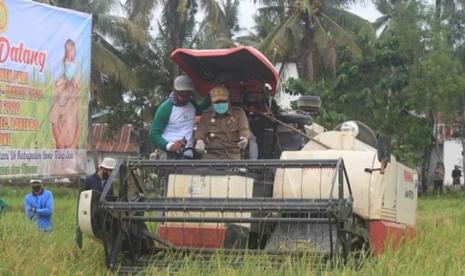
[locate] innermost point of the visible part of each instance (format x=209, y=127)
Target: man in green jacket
x=173, y=123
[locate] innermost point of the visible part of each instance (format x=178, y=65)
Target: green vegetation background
x=439, y=247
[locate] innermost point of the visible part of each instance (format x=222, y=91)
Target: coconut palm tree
x=178, y=27
x=445, y=8
x=448, y=14
x=313, y=29
x=230, y=10
x=271, y=14
x=207, y=35
x=387, y=10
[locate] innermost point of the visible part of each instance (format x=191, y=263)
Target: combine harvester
x=330, y=193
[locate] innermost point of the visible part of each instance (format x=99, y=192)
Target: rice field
x=439, y=247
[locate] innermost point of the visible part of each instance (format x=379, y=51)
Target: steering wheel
x=180, y=154
x=225, y=152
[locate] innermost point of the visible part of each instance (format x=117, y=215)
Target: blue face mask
x=221, y=108
x=70, y=70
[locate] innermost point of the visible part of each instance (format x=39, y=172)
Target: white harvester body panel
x=209, y=186
x=390, y=196
x=407, y=192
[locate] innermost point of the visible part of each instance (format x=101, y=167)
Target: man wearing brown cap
x=223, y=130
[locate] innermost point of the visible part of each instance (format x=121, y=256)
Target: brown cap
x=219, y=93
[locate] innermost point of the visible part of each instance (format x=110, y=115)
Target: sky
x=248, y=8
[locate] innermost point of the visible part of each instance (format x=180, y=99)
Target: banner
x=45, y=63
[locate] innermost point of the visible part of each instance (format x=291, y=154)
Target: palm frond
x=93, y=7
x=121, y=28
x=275, y=43
x=140, y=11
x=384, y=6
x=350, y=22
x=249, y=40
x=269, y=9
x=215, y=15
x=105, y=61
x=230, y=10
x=301, y=7
x=325, y=46
x=381, y=21
x=339, y=34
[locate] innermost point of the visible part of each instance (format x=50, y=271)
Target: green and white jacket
x=172, y=122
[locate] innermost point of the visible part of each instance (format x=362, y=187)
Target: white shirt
x=180, y=125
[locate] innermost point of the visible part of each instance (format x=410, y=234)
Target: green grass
x=438, y=249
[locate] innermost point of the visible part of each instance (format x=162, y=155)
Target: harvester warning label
x=44, y=90
x=408, y=176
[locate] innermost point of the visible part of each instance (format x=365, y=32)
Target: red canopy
x=242, y=64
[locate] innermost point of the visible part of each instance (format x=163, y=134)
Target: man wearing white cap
x=38, y=206
x=98, y=179
x=173, y=123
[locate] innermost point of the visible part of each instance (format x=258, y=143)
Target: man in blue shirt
x=38, y=206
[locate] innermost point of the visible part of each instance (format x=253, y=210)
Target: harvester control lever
x=381, y=170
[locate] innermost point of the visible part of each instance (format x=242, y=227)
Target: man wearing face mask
x=98, y=180
x=65, y=113
x=38, y=206
x=173, y=123
x=223, y=130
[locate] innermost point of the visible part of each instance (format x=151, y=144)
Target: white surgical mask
x=70, y=70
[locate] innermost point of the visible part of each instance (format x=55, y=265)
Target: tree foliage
x=395, y=80
x=410, y=73
x=312, y=29
x=398, y=84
